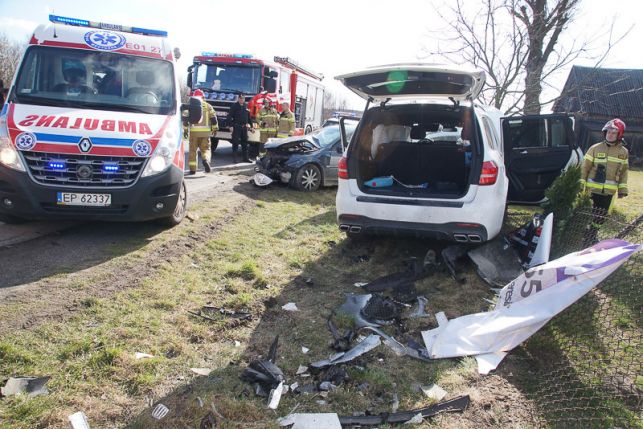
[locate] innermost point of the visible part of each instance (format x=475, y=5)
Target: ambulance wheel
x=180, y=210
x=9, y=219
x=214, y=142
x=308, y=178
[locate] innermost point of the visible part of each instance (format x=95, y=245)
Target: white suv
x=427, y=160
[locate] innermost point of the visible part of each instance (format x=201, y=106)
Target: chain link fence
x=586, y=366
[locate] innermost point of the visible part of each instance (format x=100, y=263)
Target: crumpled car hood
x=295, y=144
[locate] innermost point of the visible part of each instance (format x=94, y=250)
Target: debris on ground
x=302, y=369
x=31, y=386
x=78, y=421
x=367, y=344
x=305, y=350
x=533, y=240
x=371, y=309
x=310, y=421
x=201, y=371
x=454, y=405
x=398, y=348
x=341, y=343
x=160, y=411
x=497, y=262
x=291, y=306
x=260, y=179
x=526, y=304
x=275, y=396
x=434, y=392
x=420, y=311
x=450, y=256
x=139, y=355
x=208, y=312
x=266, y=375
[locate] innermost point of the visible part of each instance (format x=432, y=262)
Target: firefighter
x=268, y=119
x=240, y=118
x=200, y=134
x=286, y=122
x=604, y=173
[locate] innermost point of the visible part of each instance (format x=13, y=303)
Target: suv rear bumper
x=30, y=200
x=453, y=231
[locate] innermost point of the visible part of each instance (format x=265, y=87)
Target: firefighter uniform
x=603, y=175
x=286, y=123
x=268, y=119
x=200, y=137
x=605, y=168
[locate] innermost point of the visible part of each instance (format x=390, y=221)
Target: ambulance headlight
x=163, y=156
x=8, y=154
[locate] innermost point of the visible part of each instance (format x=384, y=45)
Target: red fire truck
x=222, y=77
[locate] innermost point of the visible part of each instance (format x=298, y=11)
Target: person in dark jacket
x=241, y=122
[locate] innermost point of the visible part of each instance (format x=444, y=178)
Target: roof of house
x=602, y=92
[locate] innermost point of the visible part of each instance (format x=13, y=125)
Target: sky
x=330, y=37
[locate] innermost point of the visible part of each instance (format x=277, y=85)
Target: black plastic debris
x=208, y=312
x=382, y=310
x=32, y=386
x=336, y=375
x=371, y=309
x=403, y=283
x=451, y=255
x=454, y=405
x=341, y=343
x=265, y=372
x=497, y=262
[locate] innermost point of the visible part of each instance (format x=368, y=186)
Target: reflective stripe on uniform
x=616, y=160
x=601, y=186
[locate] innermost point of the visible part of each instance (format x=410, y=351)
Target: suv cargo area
x=429, y=150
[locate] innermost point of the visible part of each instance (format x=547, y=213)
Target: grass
x=256, y=263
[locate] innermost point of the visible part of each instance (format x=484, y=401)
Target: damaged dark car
x=305, y=162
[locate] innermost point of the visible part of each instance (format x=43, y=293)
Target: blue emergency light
x=111, y=168
x=56, y=165
x=105, y=26
x=215, y=54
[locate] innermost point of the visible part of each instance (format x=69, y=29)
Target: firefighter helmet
x=615, y=124
x=198, y=93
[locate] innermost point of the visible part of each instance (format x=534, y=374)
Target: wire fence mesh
x=586, y=366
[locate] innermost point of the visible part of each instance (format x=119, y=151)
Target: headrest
x=145, y=77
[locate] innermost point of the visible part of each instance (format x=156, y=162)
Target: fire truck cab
x=92, y=126
x=222, y=77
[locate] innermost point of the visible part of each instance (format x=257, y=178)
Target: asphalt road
x=198, y=185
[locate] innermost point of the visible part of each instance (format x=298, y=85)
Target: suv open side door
x=537, y=149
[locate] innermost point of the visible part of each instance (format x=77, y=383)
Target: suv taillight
x=342, y=168
x=489, y=173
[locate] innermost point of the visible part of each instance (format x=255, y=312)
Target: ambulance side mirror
x=192, y=111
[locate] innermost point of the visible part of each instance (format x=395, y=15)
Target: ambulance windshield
x=228, y=77
x=96, y=80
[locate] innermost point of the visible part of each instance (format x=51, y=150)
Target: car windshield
x=96, y=80
x=329, y=135
x=228, y=77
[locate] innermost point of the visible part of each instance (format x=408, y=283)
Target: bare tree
x=10, y=55
x=333, y=102
x=516, y=42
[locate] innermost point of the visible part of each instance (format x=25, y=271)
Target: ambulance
x=92, y=126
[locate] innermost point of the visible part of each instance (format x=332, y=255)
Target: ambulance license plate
x=81, y=199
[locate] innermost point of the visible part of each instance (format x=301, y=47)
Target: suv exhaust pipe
x=474, y=238
x=460, y=238
x=355, y=229
x=344, y=228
